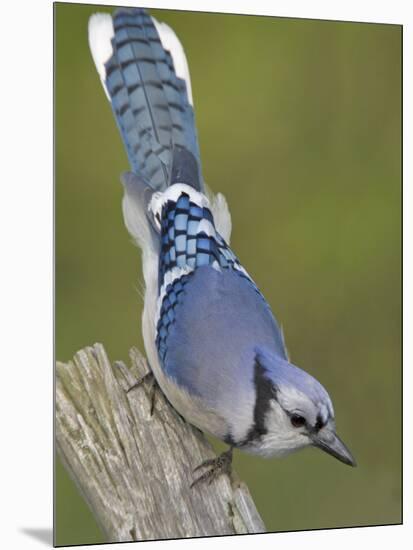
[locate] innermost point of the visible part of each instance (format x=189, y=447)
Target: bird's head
x=293, y=410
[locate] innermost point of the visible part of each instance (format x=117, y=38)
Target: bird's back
x=211, y=316
x=218, y=319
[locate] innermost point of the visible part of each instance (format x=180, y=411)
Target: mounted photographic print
x=228, y=268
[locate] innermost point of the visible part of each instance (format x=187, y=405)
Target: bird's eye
x=297, y=420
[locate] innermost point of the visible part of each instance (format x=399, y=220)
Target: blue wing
x=212, y=315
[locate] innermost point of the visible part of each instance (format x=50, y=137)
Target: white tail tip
x=101, y=32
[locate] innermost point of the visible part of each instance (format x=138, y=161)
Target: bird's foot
x=152, y=394
x=222, y=464
x=148, y=376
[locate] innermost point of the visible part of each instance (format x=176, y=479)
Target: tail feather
x=149, y=90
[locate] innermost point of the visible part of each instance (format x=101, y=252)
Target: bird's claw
x=222, y=464
x=140, y=381
x=148, y=376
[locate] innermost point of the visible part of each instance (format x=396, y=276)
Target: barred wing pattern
x=189, y=242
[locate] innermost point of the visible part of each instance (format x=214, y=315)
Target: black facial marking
x=264, y=390
x=319, y=423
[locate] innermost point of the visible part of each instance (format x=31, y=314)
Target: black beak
x=329, y=442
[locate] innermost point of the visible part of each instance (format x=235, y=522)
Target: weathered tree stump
x=133, y=469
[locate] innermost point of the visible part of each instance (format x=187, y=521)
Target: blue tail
x=150, y=104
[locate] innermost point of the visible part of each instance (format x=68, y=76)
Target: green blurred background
x=299, y=126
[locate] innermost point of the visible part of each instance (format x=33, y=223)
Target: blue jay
x=213, y=344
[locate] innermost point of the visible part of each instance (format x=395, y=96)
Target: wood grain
x=133, y=469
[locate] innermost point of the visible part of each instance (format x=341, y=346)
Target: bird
x=213, y=344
